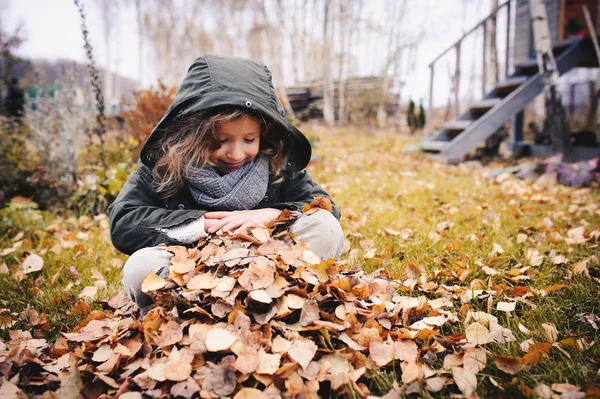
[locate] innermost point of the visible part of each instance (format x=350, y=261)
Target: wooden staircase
x=484, y=117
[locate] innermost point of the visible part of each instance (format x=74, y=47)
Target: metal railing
x=456, y=46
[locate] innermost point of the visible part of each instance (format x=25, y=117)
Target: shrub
x=145, y=111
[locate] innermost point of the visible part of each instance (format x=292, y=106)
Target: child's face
x=240, y=140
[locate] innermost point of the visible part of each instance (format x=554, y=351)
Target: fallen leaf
x=219, y=339
x=302, y=352
x=89, y=292
x=153, y=282
x=477, y=334
x=465, y=380
x=381, y=352
x=32, y=263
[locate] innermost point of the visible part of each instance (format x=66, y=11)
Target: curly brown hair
x=191, y=139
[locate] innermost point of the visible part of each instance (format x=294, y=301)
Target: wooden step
x=457, y=126
x=530, y=66
x=510, y=84
x=482, y=106
x=431, y=145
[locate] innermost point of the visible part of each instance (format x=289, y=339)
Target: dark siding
x=522, y=32
x=523, y=44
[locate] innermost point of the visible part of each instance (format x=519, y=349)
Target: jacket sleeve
x=299, y=189
x=139, y=220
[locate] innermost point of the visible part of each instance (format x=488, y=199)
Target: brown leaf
x=474, y=360
x=302, y=351
x=248, y=393
x=153, y=282
x=477, y=334
x=219, y=339
x=382, y=353
x=89, y=292
x=309, y=313
x=318, y=203
x=70, y=387
x=412, y=372
x=508, y=364
x=185, y=389
x=32, y=263
x=178, y=367
x=267, y=363
x=465, y=380
x=406, y=350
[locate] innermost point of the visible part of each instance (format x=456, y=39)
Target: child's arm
x=138, y=219
x=299, y=189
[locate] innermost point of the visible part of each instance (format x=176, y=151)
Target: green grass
x=376, y=186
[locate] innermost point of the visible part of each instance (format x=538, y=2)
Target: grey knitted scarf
x=238, y=190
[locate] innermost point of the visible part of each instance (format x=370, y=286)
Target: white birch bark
x=555, y=124
x=328, y=113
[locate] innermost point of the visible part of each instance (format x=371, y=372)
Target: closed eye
x=250, y=140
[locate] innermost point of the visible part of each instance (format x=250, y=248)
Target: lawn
x=508, y=255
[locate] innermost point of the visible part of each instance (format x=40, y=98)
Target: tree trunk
x=140, y=28
x=556, y=125
x=344, y=22
x=493, y=75
x=328, y=113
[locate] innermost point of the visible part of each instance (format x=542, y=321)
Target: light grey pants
x=321, y=230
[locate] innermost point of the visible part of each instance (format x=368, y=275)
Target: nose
x=235, y=152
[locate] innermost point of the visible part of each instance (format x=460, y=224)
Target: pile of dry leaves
x=260, y=315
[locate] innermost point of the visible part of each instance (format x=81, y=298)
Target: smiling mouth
x=235, y=165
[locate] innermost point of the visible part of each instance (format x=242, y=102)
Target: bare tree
x=491, y=31
x=108, y=12
x=350, y=12
x=328, y=113
x=556, y=125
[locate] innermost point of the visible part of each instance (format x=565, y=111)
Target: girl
x=222, y=159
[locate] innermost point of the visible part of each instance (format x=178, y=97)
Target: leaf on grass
x=89, y=292
x=550, y=332
x=465, y=380
x=435, y=384
x=32, y=263
x=534, y=258
x=406, y=350
x=381, y=352
x=581, y=268
x=412, y=372
x=71, y=384
x=506, y=306
x=477, y=334
x=508, y=364
x=474, y=360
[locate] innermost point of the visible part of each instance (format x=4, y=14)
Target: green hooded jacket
x=138, y=217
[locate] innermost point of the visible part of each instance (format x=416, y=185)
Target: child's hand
x=237, y=221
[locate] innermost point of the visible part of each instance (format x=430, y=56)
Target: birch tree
x=328, y=113
x=556, y=125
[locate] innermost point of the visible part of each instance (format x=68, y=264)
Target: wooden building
x=519, y=82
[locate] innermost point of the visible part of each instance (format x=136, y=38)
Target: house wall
x=523, y=40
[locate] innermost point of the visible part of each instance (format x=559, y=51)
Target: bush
x=362, y=106
x=17, y=160
x=145, y=111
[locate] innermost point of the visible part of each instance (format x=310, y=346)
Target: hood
x=216, y=81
